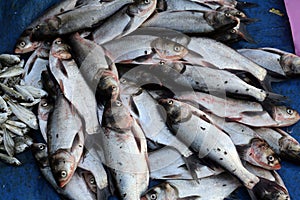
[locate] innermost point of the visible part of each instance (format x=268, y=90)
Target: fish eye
x=227, y=14
x=147, y=1
x=22, y=44
x=270, y=158
x=45, y=104
x=170, y=102
x=41, y=147
x=239, y=13
x=177, y=48
x=232, y=31
x=123, y=80
x=162, y=62
x=118, y=103
x=63, y=174
x=37, y=27
x=289, y=111
x=153, y=196
x=92, y=180
x=114, y=88
x=58, y=42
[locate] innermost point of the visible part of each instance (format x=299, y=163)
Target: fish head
x=270, y=190
x=263, y=155
x=116, y=116
x=283, y=114
x=289, y=145
x=63, y=166
x=220, y=19
x=290, y=64
x=44, y=108
x=60, y=49
x=108, y=86
x=40, y=153
x=163, y=191
x=176, y=111
x=90, y=181
x=232, y=11
x=25, y=43
x=169, y=50
x=142, y=7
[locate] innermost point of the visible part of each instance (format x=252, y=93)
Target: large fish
x=190, y=126
x=124, y=21
x=65, y=138
x=125, y=151
x=73, y=85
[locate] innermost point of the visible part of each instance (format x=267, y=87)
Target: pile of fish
x=136, y=91
x=16, y=103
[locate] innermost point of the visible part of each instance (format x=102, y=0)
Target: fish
x=10, y=160
x=45, y=107
x=224, y=57
x=207, y=21
x=9, y=59
x=12, y=71
x=11, y=92
x=24, y=114
x=108, y=87
x=224, y=184
x=16, y=130
x=92, y=60
x=26, y=42
x=172, y=5
x=25, y=93
x=271, y=186
x=281, y=142
x=34, y=91
x=124, y=21
x=76, y=188
x=22, y=143
x=73, y=85
x=8, y=142
x=167, y=163
x=124, y=143
x=190, y=126
x=77, y=19
x=275, y=60
x=65, y=140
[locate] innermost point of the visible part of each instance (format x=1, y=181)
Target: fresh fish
x=3, y=117
x=222, y=81
x=167, y=163
x=25, y=42
x=11, y=92
x=9, y=60
x=73, y=85
x=275, y=60
x=25, y=93
x=190, y=127
x=16, y=123
x=65, y=140
x=91, y=59
x=3, y=105
x=24, y=114
x=16, y=130
x=12, y=71
x=281, y=142
x=8, y=142
x=207, y=21
x=124, y=21
x=270, y=186
x=224, y=184
x=285, y=116
x=224, y=57
x=22, y=143
x=9, y=160
x=45, y=107
x=179, y=5
x=108, y=87
x=75, y=189
x=221, y=107
x=34, y=91
x=77, y=19
x=30, y=104
x=123, y=144
x=35, y=65
x=152, y=122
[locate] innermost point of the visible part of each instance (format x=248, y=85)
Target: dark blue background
x=26, y=182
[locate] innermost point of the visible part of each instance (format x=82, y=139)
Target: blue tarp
x=26, y=182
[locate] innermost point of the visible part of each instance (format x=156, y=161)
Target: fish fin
x=243, y=4
x=248, y=20
x=273, y=50
x=191, y=167
x=243, y=33
x=276, y=98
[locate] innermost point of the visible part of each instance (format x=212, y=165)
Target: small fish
x=22, y=143
x=12, y=71
x=11, y=92
x=24, y=114
x=25, y=93
x=9, y=60
x=10, y=160
x=34, y=91
x=9, y=143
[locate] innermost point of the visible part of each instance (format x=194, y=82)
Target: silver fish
x=9, y=60
x=44, y=108
x=9, y=160
x=124, y=21
x=34, y=91
x=22, y=143
x=12, y=71
x=25, y=93
x=189, y=126
x=9, y=143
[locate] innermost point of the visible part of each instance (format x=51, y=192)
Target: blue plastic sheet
x=26, y=182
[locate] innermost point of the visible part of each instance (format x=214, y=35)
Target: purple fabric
x=293, y=10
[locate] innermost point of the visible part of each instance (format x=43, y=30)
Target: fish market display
x=124, y=93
